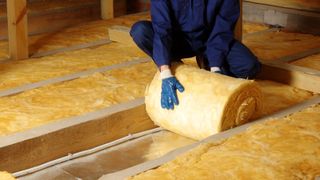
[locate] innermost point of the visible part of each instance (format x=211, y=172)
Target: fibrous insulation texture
x=210, y=103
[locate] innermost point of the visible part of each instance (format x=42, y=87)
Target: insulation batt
x=309, y=62
x=285, y=149
x=210, y=103
x=6, y=176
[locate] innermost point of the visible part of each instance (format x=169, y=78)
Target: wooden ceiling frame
x=17, y=15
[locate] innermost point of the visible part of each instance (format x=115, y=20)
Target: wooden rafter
x=17, y=29
x=107, y=11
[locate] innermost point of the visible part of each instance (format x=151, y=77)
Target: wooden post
x=238, y=29
x=107, y=11
x=17, y=29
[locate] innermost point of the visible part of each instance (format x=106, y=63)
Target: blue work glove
x=169, y=92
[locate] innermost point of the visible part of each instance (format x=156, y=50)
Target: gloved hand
x=169, y=92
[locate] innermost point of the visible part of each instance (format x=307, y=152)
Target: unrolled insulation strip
x=86, y=152
x=298, y=56
x=30, y=86
x=217, y=137
x=291, y=67
x=72, y=48
x=273, y=29
x=65, y=49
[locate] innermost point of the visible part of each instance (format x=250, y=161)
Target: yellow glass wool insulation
x=312, y=62
x=40, y=6
x=210, y=103
x=165, y=142
x=6, y=176
x=78, y=34
x=272, y=45
x=18, y=73
x=51, y=103
x=286, y=148
x=278, y=96
x=91, y=31
x=249, y=27
x=62, y=100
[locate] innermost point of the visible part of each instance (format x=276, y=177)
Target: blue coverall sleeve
x=221, y=36
x=161, y=22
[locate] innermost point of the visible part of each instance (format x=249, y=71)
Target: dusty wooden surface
x=294, y=4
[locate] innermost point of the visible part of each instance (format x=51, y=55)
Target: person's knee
x=142, y=34
x=255, y=69
x=140, y=30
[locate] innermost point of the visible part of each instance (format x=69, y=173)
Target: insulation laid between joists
x=210, y=103
x=283, y=148
x=6, y=176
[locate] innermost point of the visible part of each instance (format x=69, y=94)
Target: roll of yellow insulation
x=210, y=103
x=6, y=176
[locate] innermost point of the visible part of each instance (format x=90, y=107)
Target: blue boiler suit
x=187, y=28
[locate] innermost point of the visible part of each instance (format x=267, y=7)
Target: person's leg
x=241, y=62
x=142, y=34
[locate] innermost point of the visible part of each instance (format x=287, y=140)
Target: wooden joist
x=306, y=5
x=17, y=29
x=303, y=78
x=46, y=143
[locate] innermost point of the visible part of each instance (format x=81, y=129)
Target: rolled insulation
x=210, y=103
x=6, y=176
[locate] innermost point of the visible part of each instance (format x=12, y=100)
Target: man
x=187, y=28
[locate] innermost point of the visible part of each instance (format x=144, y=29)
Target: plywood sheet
x=312, y=62
x=273, y=45
x=286, y=148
